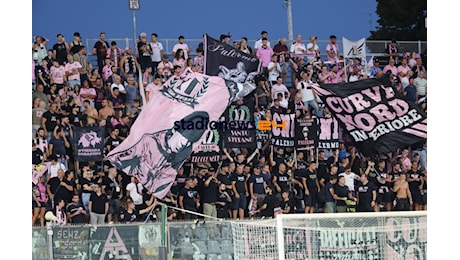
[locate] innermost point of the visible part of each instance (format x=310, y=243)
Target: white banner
x=354, y=49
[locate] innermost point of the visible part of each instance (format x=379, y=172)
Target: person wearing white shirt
x=350, y=178
x=54, y=167
x=258, y=43
x=298, y=47
x=134, y=190
x=181, y=45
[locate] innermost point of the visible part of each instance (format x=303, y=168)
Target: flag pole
x=141, y=89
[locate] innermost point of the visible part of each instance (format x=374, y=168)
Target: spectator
x=114, y=53
x=420, y=85
x=332, y=50
x=166, y=66
x=58, y=144
x=76, y=213
x=244, y=46
x=80, y=57
x=258, y=44
x=60, y=49
x=279, y=88
x=100, y=50
x=181, y=45
x=350, y=178
x=366, y=195
x=90, y=115
x=403, y=194
x=309, y=97
x=132, y=93
x=188, y=199
x=264, y=53
x=330, y=206
x=341, y=194
x=57, y=74
x=157, y=52
x=72, y=71
x=268, y=204
x=179, y=59
x=40, y=94
x=87, y=186
x=313, y=51
x=129, y=64
x=40, y=198
x=375, y=68
x=223, y=202
x=418, y=67
x=106, y=110
x=282, y=51
x=76, y=43
x=274, y=70
x=130, y=214
x=257, y=184
x=198, y=60
x=98, y=206
x=286, y=205
x=210, y=194
x=57, y=187
x=152, y=87
x=238, y=181
x=261, y=95
x=298, y=48
x=111, y=185
x=415, y=179
x=392, y=51
x=87, y=92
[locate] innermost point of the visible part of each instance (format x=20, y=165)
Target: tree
x=401, y=20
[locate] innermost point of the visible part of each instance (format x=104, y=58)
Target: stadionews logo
x=261, y=125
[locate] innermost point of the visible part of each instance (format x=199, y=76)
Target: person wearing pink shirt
x=72, y=71
x=391, y=67
x=403, y=72
x=155, y=85
x=198, y=60
x=332, y=50
x=324, y=76
x=264, y=53
x=57, y=73
x=166, y=66
x=87, y=92
x=107, y=70
x=180, y=59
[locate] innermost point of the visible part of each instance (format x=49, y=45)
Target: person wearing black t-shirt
x=98, y=206
x=131, y=214
x=223, y=202
x=384, y=194
x=123, y=127
x=415, y=180
x=50, y=120
x=311, y=186
x=210, y=193
x=280, y=180
x=329, y=205
x=100, y=49
x=268, y=204
x=366, y=195
x=37, y=155
x=57, y=187
x=76, y=213
x=111, y=184
x=179, y=182
x=60, y=49
x=341, y=194
x=113, y=140
x=188, y=199
x=240, y=192
x=286, y=205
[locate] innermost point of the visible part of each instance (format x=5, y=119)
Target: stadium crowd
x=67, y=91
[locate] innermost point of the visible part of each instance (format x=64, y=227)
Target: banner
x=340, y=239
x=209, y=149
x=283, y=130
x=328, y=133
x=229, y=63
x=354, y=49
x=245, y=134
x=378, y=119
x=306, y=133
x=88, y=143
x=114, y=242
x=406, y=244
x=70, y=242
x=165, y=132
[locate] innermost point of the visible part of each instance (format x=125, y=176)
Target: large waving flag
x=157, y=145
x=227, y=62
x=377, y=117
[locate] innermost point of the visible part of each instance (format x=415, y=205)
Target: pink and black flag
x=156, y=147
x=377, y=118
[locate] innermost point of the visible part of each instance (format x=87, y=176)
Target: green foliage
x=403, y=20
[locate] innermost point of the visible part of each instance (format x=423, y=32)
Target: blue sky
x=352, y=19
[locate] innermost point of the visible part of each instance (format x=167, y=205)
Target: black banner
x=306, y=133
x=114, y=242
x=283, y=133
x=70, y=242
x=244, y=134
x=88, y=143
x=328, y=133
x=376, y=116
x=227, y=62
x=209, y=149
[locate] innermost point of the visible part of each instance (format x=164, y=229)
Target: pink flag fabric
x=38, y=170
x=154, y=149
